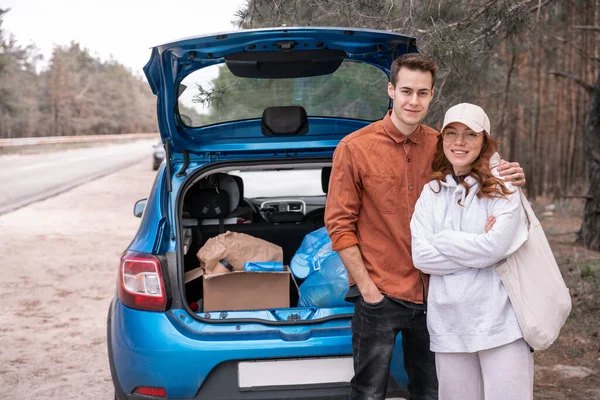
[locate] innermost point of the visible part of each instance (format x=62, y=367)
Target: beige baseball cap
x=469, y=114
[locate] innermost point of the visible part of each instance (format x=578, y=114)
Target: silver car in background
x=158, y=155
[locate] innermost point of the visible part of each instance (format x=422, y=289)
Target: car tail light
x=141, y=283
x=151, y=391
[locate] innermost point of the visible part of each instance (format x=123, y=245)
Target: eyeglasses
x=452, y=136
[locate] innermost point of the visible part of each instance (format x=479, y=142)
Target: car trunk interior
x=250, y=216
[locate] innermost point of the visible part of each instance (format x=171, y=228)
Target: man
x=377, y=175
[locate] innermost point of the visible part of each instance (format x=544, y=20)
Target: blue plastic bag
x=327, y=286
x=326, y=278
x=315, y=246
x=263, y=266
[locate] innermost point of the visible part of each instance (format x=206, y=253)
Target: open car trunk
x=280, y=204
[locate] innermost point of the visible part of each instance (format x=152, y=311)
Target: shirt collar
x=396, y=135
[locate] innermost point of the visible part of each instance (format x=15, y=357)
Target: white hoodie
x=468, y=309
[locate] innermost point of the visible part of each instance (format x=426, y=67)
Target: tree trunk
x=589, y=235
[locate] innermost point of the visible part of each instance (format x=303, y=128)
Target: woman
x=466, y=221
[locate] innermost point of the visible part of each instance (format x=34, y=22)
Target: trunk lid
x=212, y=90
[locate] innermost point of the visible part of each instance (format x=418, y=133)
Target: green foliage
x=461, y=37
x=18, y=86
x=590, y=271
x=77, y=94
x=354, y=91
x=585, y=289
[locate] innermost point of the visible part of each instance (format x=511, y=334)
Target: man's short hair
x=414, y=62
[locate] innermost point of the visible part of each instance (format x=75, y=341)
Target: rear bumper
x=161, y=350
x=220, y=385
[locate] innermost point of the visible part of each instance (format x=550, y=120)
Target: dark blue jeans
x=374, y=331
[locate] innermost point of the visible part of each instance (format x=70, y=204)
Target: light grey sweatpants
x=501, y=373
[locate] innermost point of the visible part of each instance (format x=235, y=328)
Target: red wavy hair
x=489, y=185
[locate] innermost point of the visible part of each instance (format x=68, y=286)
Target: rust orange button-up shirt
x=376, y=179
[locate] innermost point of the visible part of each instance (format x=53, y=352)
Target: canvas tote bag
x=536, y=289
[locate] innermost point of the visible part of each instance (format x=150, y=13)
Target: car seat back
x=212, y=199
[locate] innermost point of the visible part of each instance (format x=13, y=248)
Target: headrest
x=220, y=191
x=240, y=183
x=282, y=121
x=325, y=175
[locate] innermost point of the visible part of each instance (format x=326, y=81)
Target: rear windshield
x=277, y=183
x=213, y=95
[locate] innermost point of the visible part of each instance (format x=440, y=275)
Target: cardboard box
x=241, y=290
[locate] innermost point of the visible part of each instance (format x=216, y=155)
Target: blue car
x=249, y=121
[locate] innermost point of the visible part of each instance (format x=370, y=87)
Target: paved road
x=28, y=178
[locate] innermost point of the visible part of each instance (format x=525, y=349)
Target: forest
x=72, y=93
x=532, y=64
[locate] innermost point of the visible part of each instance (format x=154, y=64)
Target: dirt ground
x=570, y=368
x=59, y=260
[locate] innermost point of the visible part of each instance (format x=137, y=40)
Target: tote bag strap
x=532, y=220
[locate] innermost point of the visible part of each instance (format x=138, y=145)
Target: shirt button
x=407, y=159
x=410, y=188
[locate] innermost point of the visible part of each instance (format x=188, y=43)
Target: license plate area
x=278, y=374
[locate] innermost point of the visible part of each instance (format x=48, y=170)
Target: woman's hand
x=490, y=223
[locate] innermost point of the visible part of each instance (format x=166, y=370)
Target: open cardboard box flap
x=193, y=274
